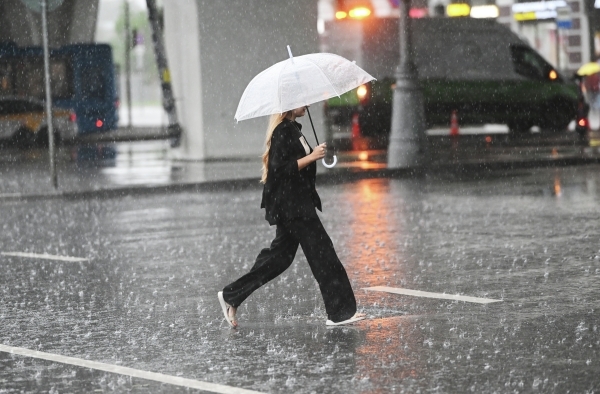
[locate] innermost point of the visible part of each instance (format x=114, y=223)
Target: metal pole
x=53, y=175
x=557, y=46
x=165, y=76
x=407, y=137
x=328, y=134
x=128, y=64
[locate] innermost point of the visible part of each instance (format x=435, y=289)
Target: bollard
x=358, y=141
x=454, y=131
x=454, y=124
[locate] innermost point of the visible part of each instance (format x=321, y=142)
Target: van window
x=29, y=79
x=92, y=84
x=61, y=78
x=528, y=63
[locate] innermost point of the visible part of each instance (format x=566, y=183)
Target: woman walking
x=290, y=201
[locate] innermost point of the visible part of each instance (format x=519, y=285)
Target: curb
x=332, y=177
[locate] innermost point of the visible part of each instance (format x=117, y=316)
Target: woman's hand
x=316, y=154
x=319, y=151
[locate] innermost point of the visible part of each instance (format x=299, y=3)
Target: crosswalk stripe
x=136, y=373
x=44, y=256
x=418, y=293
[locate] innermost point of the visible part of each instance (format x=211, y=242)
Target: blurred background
x=146, y=96
x=106, y=80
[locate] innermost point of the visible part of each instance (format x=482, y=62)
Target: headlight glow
x=361, y=92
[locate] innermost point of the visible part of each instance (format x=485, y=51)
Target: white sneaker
x=353, y=319
x=225, y=307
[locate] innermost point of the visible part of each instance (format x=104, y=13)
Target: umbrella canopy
x=589, y=69
x=297, y=82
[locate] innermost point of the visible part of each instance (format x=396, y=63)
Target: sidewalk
x=120, y=168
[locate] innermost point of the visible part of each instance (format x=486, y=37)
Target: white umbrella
x=298, y=82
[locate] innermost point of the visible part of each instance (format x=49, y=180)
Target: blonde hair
x=274, y=121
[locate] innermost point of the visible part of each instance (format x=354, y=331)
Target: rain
x=477, y=268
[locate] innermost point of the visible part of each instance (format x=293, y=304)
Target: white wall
x=182, y=42
x=237, y=40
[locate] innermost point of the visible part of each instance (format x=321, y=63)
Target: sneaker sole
x=224, y=308
x=341, y=323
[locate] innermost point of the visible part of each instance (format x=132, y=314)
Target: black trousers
x=326, y=267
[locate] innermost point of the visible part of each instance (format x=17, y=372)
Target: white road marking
x=418, y=293
x=136, y=373
x=44, y=256
x=10, y=195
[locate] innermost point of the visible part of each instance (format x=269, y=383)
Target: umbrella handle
x=316, y=139
x=332, y=164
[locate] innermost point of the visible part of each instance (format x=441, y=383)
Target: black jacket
x=289, y=193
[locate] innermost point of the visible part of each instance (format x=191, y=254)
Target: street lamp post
x=50, y=128
x=128, y=42
x=407, y=138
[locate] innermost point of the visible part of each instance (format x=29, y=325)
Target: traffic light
x=353, y=9
x=136, y=38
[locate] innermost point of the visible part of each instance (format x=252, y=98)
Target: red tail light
x=582, y=122
x=73, y=117
x=99, y=123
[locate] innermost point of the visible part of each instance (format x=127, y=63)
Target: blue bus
x=82, y=79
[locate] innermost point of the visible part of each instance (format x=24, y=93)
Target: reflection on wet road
x=145, y=297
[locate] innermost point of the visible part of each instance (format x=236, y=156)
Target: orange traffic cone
x=359, y=142
x=454, y=124
x=356, y=133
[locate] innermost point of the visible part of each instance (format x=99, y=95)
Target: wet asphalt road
x=146, y=297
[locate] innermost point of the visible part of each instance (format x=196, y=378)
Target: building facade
x=562, y=31
x=536, y=22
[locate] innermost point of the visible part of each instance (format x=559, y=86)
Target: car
x=477, y=69
x=23, y=121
